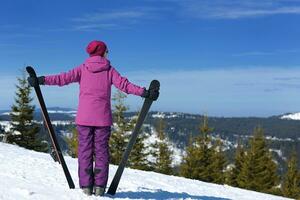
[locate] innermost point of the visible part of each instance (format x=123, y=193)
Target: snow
x=268, y=137
x=279, y=153
x=158, y=115
x=226, y=143
x=6, y=125
x=177, y=153
x=62, y=122
x=71, y=113
x=164, y=115
x=62, y=111
x=9, y=113
x=66, y=133
x=293, y=116
x=279, y=139
x=31, y=175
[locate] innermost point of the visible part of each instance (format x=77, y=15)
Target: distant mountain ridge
x=55, y=113
x=281, y=126
x=282, y=131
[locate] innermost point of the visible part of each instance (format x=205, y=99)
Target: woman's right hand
x=35, y=81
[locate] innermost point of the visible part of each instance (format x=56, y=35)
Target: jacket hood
x=96, y=64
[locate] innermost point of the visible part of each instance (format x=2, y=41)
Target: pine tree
x=197, y=161
x=73, y=143
x=121, y=134
x=163, y=155
x=218, y=163
x=236, y=170
x=138, y=156
x=153, y=152
x=24, y=131
x=291, y=183
x=189, y=161
x=118, y=139
x=259, y=171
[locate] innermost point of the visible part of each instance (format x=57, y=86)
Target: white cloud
x=112, y=19
x=111, y=15
x=256, y=91
x=254, y=53
x=9, y=26
x=267, y=53
x=235, y=9
x=127, y=17
x=94, y=27
x=250, y=91
x=244, y=13
x=7, y=88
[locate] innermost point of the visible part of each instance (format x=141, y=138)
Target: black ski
x=55, y=145
x=142, y=115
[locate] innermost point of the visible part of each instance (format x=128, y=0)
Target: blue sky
x=223, y=58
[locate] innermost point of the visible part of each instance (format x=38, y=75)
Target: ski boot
x=99, y=191
x=87, y=190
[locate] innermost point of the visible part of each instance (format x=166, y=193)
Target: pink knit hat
x=96, y=48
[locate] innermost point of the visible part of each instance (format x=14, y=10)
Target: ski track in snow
x=31, y=175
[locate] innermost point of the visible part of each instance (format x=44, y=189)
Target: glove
x=151, y=94
x=145, y=93
x=34, y=82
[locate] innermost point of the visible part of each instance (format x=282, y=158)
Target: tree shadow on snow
x=160, y=195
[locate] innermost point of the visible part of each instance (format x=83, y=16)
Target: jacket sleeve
x=64, y=78
x=124, y=85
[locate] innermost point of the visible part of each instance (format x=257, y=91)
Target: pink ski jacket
x=95, y=77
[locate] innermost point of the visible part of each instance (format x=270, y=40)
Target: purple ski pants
x=93, y=146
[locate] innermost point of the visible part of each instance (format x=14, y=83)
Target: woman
x=94, y=117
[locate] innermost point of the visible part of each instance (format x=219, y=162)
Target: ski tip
x=154, y=84
x=29, y=68
x=30, y=71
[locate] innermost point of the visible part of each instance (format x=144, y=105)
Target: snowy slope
x=30, y=175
